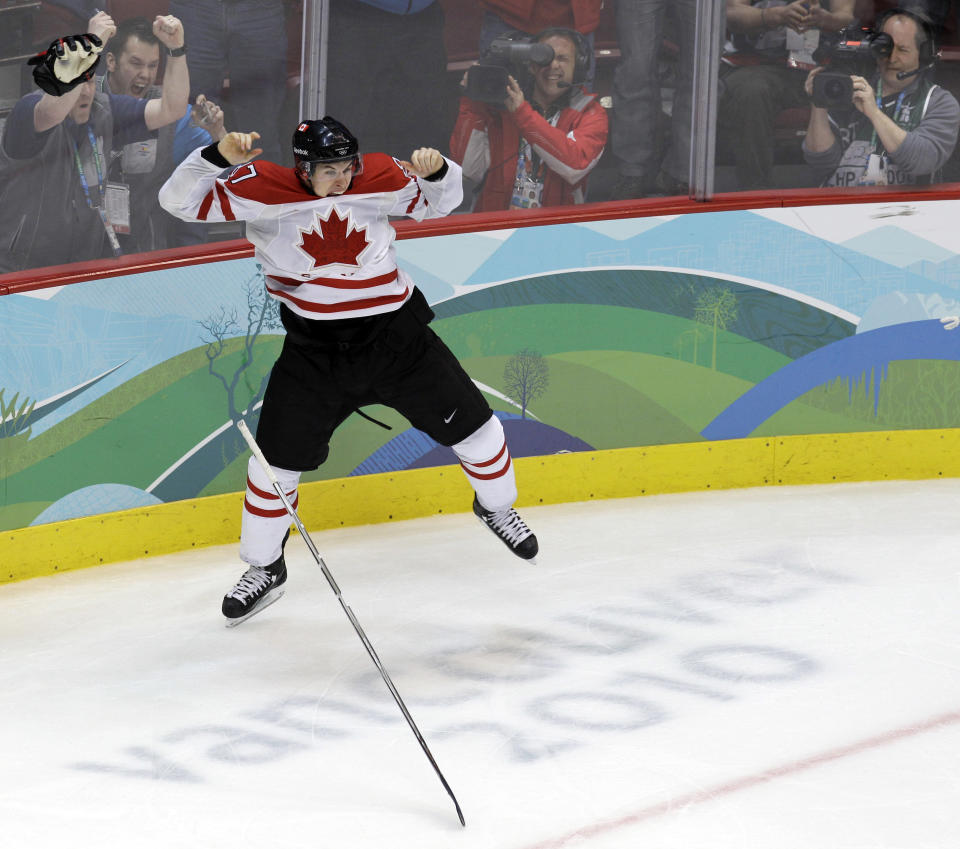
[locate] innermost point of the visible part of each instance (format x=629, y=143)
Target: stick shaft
x=262, y=460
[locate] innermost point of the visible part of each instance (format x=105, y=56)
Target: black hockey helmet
x=324, y=140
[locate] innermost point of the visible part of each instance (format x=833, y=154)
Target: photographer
x=537, y=145
x=765, y=62
x=899, y=129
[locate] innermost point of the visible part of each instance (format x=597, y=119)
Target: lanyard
x=95, y=148
x=538, y=168
x=100, y=207
x=896, y=111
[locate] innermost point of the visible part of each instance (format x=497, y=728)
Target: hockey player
x=356, y=324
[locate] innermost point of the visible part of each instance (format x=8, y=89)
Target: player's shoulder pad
x=266, y=182
x=381, y=173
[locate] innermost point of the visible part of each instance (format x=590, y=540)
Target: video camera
x=853, y=51
x=506, y=56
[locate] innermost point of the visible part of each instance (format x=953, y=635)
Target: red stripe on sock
x=271, y=495
x=492, y=475
x=500, y=453
x=268, y=514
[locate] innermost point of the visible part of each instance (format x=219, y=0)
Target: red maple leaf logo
x=329, y=242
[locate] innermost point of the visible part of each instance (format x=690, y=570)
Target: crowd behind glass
x=575, y=101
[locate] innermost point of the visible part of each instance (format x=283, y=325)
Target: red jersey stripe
x=224, y=202
x=274, y=184
x=204, y=210
x=343, y=306
x=340, y=282
x=413, y=204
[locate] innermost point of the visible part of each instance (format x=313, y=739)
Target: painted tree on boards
x=14, y=415
x=526, y=377
x=716, y=308
x=14, y=427
x=243, y=387
x=694, y=334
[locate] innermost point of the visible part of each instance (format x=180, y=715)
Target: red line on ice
x=711, y=793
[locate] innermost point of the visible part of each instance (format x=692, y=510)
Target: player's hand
x=209, y=116
x=102, y=26
x=950, y=322
x=169, y=30
x=515, y=98
x=238, y=148
x=424, y=161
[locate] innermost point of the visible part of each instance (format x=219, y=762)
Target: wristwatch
x=177, y=51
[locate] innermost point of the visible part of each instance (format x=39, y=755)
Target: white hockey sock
x=265, y=520
x=486, y=462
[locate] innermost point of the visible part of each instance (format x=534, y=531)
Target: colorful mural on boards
x=122, y=392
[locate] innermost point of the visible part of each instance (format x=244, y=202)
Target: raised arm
x=51, y=110
x=175, y=95
x=439, y=185
x=193, y=191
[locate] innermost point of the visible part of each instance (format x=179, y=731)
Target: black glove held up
x=66, y=63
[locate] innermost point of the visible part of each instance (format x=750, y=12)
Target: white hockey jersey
x=325, y=258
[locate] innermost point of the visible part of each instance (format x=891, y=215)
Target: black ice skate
x=510, y=528
x=258, y=588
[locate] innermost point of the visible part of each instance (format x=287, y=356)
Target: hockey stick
x=245, y=431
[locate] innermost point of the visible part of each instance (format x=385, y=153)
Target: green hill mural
x=632, y=358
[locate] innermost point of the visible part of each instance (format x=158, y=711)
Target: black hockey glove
x=66, y=63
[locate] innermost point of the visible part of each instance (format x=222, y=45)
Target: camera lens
x=834, y=89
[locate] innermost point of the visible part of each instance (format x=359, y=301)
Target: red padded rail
x=62, y=275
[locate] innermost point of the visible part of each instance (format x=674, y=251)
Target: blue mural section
x=862, y=359
x=117, y=375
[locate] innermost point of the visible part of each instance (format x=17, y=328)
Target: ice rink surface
x=774, y=667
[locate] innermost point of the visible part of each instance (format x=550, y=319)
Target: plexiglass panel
x=543, y=104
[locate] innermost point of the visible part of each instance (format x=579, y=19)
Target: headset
x=582, y=46
x=929, y=50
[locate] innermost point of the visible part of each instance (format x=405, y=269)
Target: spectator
x=538, y=148
x=245, y=42
x=764, y=67
x=133, y=60
x=900, y=129
x=386, y=72
x=527, y=17
x=635, y=137
x=55, y=204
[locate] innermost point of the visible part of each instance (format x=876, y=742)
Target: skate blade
x=263, y=604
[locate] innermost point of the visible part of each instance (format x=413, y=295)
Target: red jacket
x=486, y=141
x=534, y=15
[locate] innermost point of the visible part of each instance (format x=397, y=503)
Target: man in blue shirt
x=56, y=202
x=132, y=63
